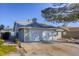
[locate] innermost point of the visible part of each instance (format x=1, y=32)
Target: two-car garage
x=39, y=35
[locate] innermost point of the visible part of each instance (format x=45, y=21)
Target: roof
x=31, y=24
x=71, y=28
x=64, y=28
x=23, y=22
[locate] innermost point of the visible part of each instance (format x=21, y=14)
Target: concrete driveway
x=54, y=49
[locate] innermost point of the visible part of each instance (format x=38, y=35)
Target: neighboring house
x=6, y=33
x=9, y=30
x=33, y=31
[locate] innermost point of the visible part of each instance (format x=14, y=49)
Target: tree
x=34, y=19
x=61, y=13
x=1, y=27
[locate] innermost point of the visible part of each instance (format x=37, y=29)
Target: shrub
x=15, y=40
x=1, y=41
x=6, y=35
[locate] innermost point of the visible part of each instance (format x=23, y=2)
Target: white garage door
x=35, y=35
x=47, y=35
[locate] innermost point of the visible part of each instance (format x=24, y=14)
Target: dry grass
x=6, y=49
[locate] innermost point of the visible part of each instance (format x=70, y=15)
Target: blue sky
x=9, y=13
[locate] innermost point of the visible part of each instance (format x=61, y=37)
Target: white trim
x=36, y=28
x=29, y=34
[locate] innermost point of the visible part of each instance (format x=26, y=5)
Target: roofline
x=35, y=28
x=66, y=29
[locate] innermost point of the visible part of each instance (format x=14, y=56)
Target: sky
x=11, y=12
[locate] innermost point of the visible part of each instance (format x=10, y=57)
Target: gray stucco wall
x=21, y=35
x=26, y=35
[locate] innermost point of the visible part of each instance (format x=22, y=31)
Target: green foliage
x=66, y=14
x=7, y=49
x=14, y=39
x=1, y=27
x=34, y=19
x=17, y=41
x=6, y=35
x=1, y=41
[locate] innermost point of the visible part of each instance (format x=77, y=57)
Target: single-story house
x=6, y=33
x=33, y=31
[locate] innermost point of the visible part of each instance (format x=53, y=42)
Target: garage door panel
x=47, y=35
x=35, y=35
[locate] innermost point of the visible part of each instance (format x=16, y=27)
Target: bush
x=6, y=35
x=15, y=40
x=1, y=41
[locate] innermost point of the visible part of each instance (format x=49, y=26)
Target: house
x=33, y=31
x=6, y=34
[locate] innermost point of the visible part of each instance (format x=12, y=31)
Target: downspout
x=24, y=34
